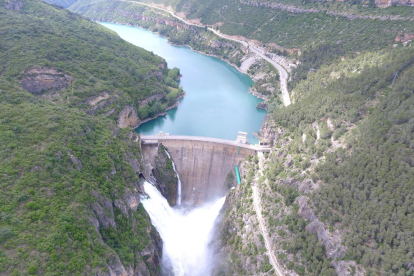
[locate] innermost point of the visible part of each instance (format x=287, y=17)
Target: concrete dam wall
x=202, y=163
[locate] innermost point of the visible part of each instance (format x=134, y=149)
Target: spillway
x=186, y=234
x=178, y=179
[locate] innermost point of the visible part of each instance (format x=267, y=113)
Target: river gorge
x=217, y=105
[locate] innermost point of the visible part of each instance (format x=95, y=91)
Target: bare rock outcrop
x=331, y=241
x=348, y=268
x=269, y=131
x=102, y=216
x=129, y=201
x=94, y=100
x=166, y=178
x=156, y=97
x=40, y=80
x=13, y=5
x=103, y=210
x=101, y=102
x=305, y=211
x=76, y=162
x=128, y=117
x=387, y=3
x=404, y=37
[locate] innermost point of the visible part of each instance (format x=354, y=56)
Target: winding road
x=282, y=71
x=258, y=208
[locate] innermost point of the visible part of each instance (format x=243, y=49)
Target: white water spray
x=178, y=182
x=185, y=235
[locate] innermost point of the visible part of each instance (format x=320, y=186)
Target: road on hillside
x=263, y=229
x=282, y=72
x=258, y=208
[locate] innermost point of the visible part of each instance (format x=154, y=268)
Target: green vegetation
x=198, y=39
x=371, y=189
x=298, y=30
x=345, y=144
x=62, y=3
x=44, y=224
x=95, y=58
x=59, y=166
x=365, y=184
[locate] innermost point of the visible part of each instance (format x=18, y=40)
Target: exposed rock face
x=76, y=162
x=101, y=102
x=103, y=210
x=236, y=233
x=148, y=259
x=39, y=80
x=404, y=37
x=269, y=131
x=158, y=20
x=387, y=3
x=14, y=5
x=304, y=210
x=130, y=201
x=128, y=117
x=94, y=100
x=165, y=176
x=331, y=241
x=155, y=97
x=294, y=9
x=344, y=268
x=262, y=105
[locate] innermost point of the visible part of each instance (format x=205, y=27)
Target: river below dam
x=217, y=104
x=186, y=234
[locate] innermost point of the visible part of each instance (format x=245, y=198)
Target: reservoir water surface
x=217, y=103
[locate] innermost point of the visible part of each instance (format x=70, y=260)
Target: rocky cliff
x=165, y=176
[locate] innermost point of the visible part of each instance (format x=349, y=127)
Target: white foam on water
x=185, y=234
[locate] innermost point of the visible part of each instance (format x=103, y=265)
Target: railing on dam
x=156, y=139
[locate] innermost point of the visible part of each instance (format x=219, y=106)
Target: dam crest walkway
x=156, y=139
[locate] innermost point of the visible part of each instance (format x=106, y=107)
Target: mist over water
x=185, y=234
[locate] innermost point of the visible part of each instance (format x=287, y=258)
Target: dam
x=201, y=162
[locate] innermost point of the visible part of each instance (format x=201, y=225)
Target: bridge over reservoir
x=202, y=162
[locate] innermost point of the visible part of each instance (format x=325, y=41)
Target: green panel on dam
x=236, y=168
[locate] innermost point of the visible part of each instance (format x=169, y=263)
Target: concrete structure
x=242, y=137
x=203, y=163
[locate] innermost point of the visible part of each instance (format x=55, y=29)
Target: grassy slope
x=45, y=197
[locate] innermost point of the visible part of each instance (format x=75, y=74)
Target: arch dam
x=202, y=163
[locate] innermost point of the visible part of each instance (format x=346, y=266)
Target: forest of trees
x=57, y=161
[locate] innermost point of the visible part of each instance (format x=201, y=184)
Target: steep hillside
x=64, y=58
x=62, y=3
x=336, y=190
x=199, y=39
x=69, y=176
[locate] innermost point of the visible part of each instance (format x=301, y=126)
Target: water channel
x=217, y=103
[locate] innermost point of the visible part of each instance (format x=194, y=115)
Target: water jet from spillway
x=178, y=179
x=185, y=234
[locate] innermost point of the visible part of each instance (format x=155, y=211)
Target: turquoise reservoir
x=217, y=103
